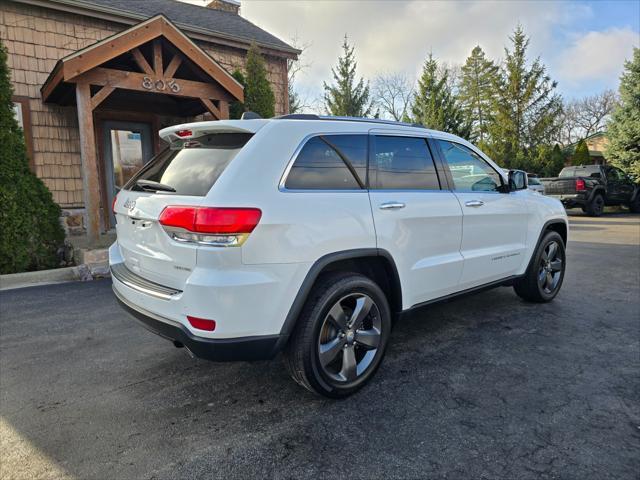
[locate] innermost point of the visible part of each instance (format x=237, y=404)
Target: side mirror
x=518, y=180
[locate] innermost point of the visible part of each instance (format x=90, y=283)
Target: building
x=597, y=144
x=94, y=81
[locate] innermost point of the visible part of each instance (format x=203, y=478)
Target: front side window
x=330, y=162
x=403, y=163
x=469, y=171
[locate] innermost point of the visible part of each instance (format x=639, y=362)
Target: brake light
x=222, y=227
x=580, y=186
x=184, y=133
x=202, y=323
x=113, y=204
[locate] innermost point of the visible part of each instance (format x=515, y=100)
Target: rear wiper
x=156, y=186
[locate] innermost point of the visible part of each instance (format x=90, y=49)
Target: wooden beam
x=90, y=175
x=212, y=108
x=141, y=61
x=200, y=58
x=224, y=110
x=157, y=58
x=174, y=64
x=99, y=97
x=146, y=83
x=112, y=47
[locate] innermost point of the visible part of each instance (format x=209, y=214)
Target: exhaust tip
x=177, y=344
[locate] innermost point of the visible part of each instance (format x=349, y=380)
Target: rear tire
x=635, y=205
x=544, y=277
x=596, y=206
x=340, y=336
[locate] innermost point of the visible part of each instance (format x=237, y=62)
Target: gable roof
x=88, y=58
x=208, y=22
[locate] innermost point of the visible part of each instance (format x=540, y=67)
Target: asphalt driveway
x=486, y=386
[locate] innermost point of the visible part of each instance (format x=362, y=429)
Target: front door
x=127, y=147
x=494, y=229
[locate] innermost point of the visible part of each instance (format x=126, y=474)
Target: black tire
x=333, y=293
x=536, y=286
x=634, y=206
x=596, y=206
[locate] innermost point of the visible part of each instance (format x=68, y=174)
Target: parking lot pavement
x=486, y=386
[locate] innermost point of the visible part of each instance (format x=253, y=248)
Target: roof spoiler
x=187, y=131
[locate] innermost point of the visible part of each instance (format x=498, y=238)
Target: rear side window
x=403, y=163
x=324, y=163
x=191, y=167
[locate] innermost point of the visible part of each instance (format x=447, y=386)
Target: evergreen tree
x=30, y=230
x=347, y=96
x=476, y=93
x=526, y=109
x=624, y=127
x=295, y=105
x=581, y=154
x=555, y=162
x=236, y=109
x=258, y=95
x=434, y=105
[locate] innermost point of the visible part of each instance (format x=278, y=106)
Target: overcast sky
x=583, y=43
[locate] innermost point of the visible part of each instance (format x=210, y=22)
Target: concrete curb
x=43, y=277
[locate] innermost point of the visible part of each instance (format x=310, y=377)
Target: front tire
x=634, y=206
x=544, y=277
x=341, y=335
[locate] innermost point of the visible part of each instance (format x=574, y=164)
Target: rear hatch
x=181, y=175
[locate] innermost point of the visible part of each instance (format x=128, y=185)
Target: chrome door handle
x=391, y=205
x=474, y=203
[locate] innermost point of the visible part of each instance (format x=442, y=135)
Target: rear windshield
x=579, y=171
x=190, y=167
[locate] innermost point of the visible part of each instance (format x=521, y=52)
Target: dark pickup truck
x=591, y=187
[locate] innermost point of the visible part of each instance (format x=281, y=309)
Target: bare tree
x=393, y=94
x=586, y=116
x=294, y=68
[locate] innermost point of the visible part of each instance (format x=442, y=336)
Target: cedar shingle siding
x=37, y=37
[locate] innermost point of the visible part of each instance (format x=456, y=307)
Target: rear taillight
x=220, y=227
x=113, y=204
x=202, y=323
x=580, y=186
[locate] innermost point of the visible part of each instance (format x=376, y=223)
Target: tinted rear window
x=320, y=164
x=579, y=171
x=193, y=167
x=403, y=163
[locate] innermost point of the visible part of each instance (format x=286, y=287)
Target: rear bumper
x=226, y=349
x=571, y=199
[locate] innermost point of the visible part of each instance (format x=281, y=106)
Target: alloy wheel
x=551, y=268
x=349, y=338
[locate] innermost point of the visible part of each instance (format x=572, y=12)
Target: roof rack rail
x=312, y=116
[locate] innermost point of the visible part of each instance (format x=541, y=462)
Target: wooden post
x=91, y=194
x=224, y=110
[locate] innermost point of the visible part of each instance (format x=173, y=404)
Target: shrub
x=30, y=230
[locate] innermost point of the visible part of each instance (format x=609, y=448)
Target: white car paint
x=439, y=244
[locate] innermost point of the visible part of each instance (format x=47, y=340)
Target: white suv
x=309, y=235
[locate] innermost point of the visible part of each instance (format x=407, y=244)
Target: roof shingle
x=215, y=21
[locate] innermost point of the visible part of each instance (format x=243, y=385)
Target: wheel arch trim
x=545, y=228
x=314, y=272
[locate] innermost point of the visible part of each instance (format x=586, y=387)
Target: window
x=468, y=170
x=534, y=181
x=322, y=163
x=615, y=174
x=22, y=114
x=403, y=163
x=192, y=168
